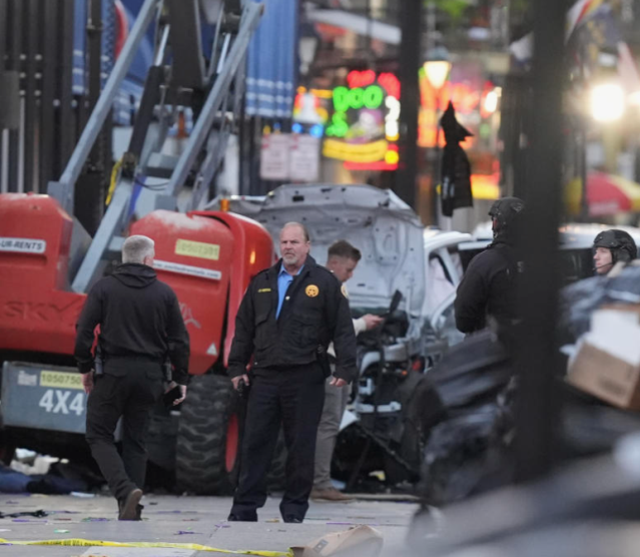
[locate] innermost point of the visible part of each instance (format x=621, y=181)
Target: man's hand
x=372, y=321
x=236, y=381
x=87, y=381
x=183, y=392
x=337, y=382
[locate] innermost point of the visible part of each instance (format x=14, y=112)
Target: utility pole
x=409, y=64
x=90, y=194
x=537, y=411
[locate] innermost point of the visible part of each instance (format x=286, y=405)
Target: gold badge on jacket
x=312, y=291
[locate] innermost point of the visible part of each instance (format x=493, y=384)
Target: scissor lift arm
x=179, y=78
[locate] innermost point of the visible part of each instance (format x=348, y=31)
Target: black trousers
x=130, y=395
x=294, y=398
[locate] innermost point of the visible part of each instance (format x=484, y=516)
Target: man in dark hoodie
x=140, y=327
x=288, y=317
x=489, y=286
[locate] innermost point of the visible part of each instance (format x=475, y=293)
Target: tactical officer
x=610, y=247
x=342, y=260
x=140, y=327
x=489, y=286
x=289, y=315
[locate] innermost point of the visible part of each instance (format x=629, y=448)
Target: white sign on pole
x=305, y=158
x=274, y=156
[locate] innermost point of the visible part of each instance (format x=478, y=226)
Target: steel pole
x=537, y=357
x=215, y=99
x=63, y=190
x=409, y=64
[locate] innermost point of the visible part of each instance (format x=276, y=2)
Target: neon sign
x=468, y=99
x=363, y=129
x=322, y=98
x=344, y=98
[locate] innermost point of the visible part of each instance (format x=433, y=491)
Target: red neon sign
x=357, y=79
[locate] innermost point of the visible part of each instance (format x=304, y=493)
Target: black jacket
x=314, y=313
x=489, y=287
x=139, y=316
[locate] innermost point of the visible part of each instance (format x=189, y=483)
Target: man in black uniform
x=140, y=327
x=489, y=286
x=288, y=317
x=610, y=247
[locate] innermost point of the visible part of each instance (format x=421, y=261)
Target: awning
x=607, y=194
x=358, y=24
x=272, y=55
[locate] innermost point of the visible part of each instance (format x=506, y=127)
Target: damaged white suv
x=398, y=255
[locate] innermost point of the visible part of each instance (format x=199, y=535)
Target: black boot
x=129, y=507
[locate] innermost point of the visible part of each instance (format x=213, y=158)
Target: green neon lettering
x=340, y=99
x=356, y=98
x=339, y=126
x=373, y=97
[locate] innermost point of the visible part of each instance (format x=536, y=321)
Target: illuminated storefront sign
x=363, y=129
x=470, y=99
x=322, y=100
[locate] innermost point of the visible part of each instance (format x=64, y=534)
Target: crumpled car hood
x=376, y=221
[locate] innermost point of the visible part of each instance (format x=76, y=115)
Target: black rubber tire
x=202, y=437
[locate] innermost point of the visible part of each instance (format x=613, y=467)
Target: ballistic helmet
x=506, y=214
x=619, y=242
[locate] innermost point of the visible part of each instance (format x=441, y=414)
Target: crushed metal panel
x=386, y=230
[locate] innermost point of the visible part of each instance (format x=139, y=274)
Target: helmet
x=506, y=214
x=619, y=242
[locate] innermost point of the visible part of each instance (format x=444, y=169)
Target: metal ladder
x=179, y=79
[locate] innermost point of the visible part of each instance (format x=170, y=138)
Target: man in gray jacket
x=342, y=261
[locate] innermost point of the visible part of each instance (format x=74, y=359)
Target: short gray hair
x=305, y=231
x=136, y=248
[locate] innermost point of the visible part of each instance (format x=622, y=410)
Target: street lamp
x=436, y=69
x=437, y=72
x=607, y=102
x=307, y=46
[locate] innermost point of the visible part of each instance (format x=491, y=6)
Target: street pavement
x=188, y=520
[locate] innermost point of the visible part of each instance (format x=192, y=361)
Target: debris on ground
x=361, y=541
x=36, y=514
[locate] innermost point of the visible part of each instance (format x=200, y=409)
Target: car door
x=443, y=269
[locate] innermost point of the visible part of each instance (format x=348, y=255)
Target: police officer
x=289, y=315
x=610, y=247
x=140, y=327
x=489, y=286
